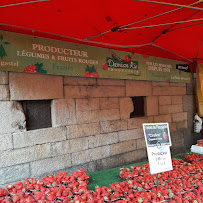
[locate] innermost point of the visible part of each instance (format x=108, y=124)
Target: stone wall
x=91, y=124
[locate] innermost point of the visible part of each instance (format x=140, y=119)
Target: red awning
x=172, y=30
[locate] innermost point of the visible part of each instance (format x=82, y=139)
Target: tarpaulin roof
x=171, y=29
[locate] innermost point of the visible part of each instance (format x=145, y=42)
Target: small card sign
x=183, y=67
x=159, y=159
x=157, y=134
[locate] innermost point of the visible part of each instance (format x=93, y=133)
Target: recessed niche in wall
x=139, y=107
x=38, y=114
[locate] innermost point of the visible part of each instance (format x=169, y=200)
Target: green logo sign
x=2, y=44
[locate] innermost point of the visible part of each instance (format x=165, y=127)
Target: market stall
x=75, y=91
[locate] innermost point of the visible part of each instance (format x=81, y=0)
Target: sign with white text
x=159, y=159
x=157, y=134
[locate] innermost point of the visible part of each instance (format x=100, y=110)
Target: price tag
x=159, y=159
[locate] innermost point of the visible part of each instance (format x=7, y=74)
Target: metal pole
x=22, y=3
x=199, y=49
x=76, y=39
x=168, y=30
x=170, y=4
x=148, y=26
x=139, y=21
x=171, y=52
x=184, y=27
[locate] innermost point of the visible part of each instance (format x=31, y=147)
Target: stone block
x=121, y=159
x=172, y=127
x=138, y=88
x=87, y=104
x=181, y=125
x=89, y=167
x=110, y=82
x=176, y=108
x=24, y=155
x=78, y=144
x=190, y=88
x=162, y=118
x=3, y=78
x=6, y=142
x=177, y=99
x=46, y=166
x=75, y=92
x=61, y=148
x=177, y=117
x=109, y=103
x=63, y=112
x=190, y=138
x=14, y=173
x=76, y=131
x=106, y=91
x=126, y=107
x=79, y=81
x=97, y=115
x=4, y=92
x=141, y=143
x=112, y=126
x=135, y=156
x=164, y=100
x=189, y=103
x=152, y=106
x=80, y=157
x=70, y=146
x=123, y=147
x=12, y=117
x=177, y=139
x=178, y=150
x=103, y=139
x=169, y=91
x=35, y=86
x=173, y=84
x=41, y=136
x=137, y=122
x=179, y=135
x=99, y=152
x=190, y=120
x=160, y=84
x=130, y=134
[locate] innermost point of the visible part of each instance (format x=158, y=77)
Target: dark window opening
x=139, y=107
x=38, y=114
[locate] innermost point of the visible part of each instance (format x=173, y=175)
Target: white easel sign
x=158, y=141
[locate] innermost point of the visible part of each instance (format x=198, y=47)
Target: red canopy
x=172, y=29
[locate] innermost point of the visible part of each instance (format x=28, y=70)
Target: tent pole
x=157, y=15
x=199, y=49
x=185, y=19
x=171, y=52
x=76, y=39
x=170, y=4
x=22, y=3
x=196, y=95
x=184, y=27
x=141, y=21
x=157, y=25
x=169, y=29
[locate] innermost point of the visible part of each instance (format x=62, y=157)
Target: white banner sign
x=159, y=159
